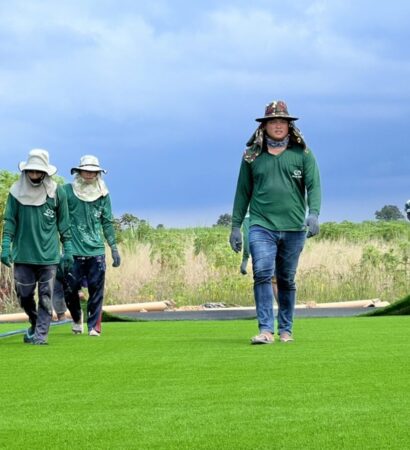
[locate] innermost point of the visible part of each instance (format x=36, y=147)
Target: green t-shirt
x=90, y=223
x=278, y=189
x=36, y=231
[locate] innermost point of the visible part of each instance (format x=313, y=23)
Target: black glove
x=313, y=224
x=235, y=239
x=67, y=259
x=116, y=258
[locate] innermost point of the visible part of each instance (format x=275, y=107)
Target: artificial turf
x=344, y=383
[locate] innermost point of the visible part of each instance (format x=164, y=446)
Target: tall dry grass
x=328, y=271
x=333, y=270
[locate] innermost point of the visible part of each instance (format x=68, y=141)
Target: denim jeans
x=275, y=253
x=93, y=269
x=26, y=278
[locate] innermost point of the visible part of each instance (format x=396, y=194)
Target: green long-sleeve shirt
x=278, y=189
x=36, y=231
x=90, y=223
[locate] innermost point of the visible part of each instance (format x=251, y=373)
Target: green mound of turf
x=399, y=308
x=108, y=317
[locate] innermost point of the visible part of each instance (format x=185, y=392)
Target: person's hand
x=67, y=259
x=6, y=258
x=116, y=258
x=66, y=262
x=235, y=239
x=244, y=265
x=312, y=223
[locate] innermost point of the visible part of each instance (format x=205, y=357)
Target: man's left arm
x=313, y=191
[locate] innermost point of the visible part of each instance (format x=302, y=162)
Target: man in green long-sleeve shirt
x=35, y=221
x=278, y=180
x=91, y=221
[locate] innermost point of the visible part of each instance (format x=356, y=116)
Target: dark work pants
x=92, y=268
x=26, y=278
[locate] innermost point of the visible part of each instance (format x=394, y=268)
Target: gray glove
x=116, y=258
x=312, y=223
x=244, y=266
x=235, y=239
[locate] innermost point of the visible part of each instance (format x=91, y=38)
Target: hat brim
x=50, y=170
x=88, y=169
x=266, y=119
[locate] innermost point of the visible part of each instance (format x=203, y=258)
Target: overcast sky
x=165, y=93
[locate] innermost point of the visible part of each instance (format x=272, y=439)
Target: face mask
x=36, y=182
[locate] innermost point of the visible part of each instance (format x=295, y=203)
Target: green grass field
x=344, y=383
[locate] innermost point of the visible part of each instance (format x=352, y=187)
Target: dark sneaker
x=38, y=342
x=29, y=335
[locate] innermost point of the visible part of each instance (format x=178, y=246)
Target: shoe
x=29, y=335
x=286, y=337
x=93, y=332
x=263, y=338
x=38, y=342
x=78, y=327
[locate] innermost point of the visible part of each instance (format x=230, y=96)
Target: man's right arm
x=9, y=230
x=10, y=216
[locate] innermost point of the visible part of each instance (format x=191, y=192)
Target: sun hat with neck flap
x=276, y=110
x=89, y=163
x=38, y=159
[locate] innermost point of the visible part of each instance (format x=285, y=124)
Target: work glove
x=60, y=275
x=312, y=223
x=116, y=258
x=6, y=258
x=244, y=265
x=67, y=259
x=235, y=239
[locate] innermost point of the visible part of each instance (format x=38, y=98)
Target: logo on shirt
x=297, y=174
x=49, y=213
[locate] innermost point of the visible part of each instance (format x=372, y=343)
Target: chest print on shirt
x=49, y=213
x=297, y=174
x=97, y=213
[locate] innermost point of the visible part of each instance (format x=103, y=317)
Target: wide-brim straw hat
x=89, y=163
x=276, y=110
x=38, y=159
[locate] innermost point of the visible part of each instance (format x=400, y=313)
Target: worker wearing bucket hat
x=89, y=205
x=278, y=180
x=35, y=219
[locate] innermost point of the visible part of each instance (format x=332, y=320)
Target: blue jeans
x=92, y=268
x=275, y=253
x=26, y=278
